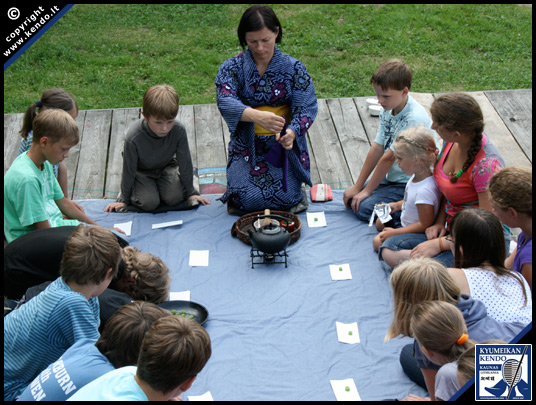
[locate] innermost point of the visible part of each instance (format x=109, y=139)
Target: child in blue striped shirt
x=38, y=332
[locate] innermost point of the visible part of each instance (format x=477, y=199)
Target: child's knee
x=172, y=199
x=376, y=242
x=148, y=202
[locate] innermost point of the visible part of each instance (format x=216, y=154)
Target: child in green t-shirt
x=33, y=198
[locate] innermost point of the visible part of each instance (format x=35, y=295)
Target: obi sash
x=282, y=110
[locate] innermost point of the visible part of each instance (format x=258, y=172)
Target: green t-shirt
x=30, y=196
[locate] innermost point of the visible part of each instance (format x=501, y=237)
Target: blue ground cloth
x=273, y=328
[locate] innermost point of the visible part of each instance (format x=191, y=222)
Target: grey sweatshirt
x=145, y=151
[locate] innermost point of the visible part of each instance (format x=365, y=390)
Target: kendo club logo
x=503, y=372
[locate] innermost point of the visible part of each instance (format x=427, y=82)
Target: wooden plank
x=12, y=138
x=338, y=140
x=515, y=109
x=369, y=122
x=499, y=133
x=210, y=145
x=90, y=176
x=122, y=119
x=327, y=150
x=186, y=118
x=352, y=135
x=71, y=162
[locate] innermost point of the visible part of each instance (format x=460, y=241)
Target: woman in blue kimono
x=268, y=100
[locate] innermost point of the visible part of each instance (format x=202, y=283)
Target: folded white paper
x=179, y=296
x=207, y=396
x=316, y=219
x=340, y=271
x=198, y=258
x=347, y=332
x=166, y=224
x=125, y=227
x=345, y=390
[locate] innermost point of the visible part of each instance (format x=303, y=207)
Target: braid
x=471, y=154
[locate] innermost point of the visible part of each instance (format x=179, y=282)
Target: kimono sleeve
x=228, y=84
x=304, y=105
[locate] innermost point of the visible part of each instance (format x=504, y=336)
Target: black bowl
x=189, y=308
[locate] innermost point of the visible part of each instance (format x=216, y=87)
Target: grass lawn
x=107, y=55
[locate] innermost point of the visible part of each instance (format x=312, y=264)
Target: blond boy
x=33, y=198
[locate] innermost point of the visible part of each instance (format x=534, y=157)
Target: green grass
x=108, y=55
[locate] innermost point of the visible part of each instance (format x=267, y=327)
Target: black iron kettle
x=269, y=238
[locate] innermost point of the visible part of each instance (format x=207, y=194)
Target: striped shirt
x=37, y=333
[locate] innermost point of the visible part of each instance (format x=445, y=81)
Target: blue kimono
x=253, y=183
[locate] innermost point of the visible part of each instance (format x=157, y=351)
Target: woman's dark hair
x=256, y=18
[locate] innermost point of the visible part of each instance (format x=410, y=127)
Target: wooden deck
x=339, y=139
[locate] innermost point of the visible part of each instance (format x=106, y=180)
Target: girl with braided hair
x=465, y=165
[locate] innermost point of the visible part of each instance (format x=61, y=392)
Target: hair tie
x=463, y=338
x=39, y=103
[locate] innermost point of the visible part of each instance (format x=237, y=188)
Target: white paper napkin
x=207, y=396
x=166, y=224
x=347, y=332
x=179, y=296
x=345, y=390
x=198, y=258
x=340, y=271
x=316, y=219
x=125, y=227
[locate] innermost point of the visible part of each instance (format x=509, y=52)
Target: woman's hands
x=272, y=123
x=287, y=140
x=269, y=121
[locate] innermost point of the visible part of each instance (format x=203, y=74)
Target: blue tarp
x=273, y=328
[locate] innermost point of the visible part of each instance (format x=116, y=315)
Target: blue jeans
x=386, y=192
x=408, y=241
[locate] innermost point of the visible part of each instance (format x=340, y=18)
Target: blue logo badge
x=503, y=372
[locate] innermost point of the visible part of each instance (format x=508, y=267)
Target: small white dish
x=375, y=110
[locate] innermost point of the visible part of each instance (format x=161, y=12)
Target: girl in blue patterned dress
x=268, y=100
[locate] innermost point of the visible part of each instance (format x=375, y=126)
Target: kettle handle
x=271, y=216
x=266, y=217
